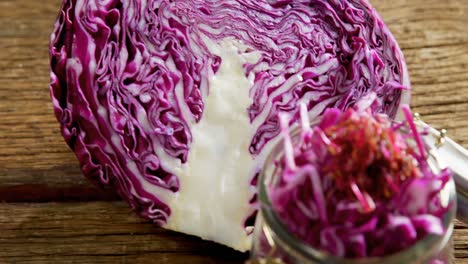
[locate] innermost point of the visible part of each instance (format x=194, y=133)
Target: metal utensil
x=453, y=156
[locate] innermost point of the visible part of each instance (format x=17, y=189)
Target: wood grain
x=434, y=38
x=102, y=231
x=52, y=214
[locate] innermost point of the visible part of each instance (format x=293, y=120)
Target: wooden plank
x=97, y=232
x=41, y=193
x=160, y=257
x=460, y=245
x=108, y=232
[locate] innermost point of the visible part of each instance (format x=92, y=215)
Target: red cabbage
x=357, y=185
x=130, y=82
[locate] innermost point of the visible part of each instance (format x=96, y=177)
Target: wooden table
x=50, y=213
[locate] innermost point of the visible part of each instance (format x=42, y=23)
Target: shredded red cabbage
x=357, y=185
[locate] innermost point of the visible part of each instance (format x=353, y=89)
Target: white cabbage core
x=213, y=200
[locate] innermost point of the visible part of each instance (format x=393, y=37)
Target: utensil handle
x=455, y=157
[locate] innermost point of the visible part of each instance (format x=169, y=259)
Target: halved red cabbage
x=174, y=102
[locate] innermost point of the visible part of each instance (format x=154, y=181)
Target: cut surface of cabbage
x=175, y=103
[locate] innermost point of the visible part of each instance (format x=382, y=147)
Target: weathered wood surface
x=96, y=232
x=50, y=213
